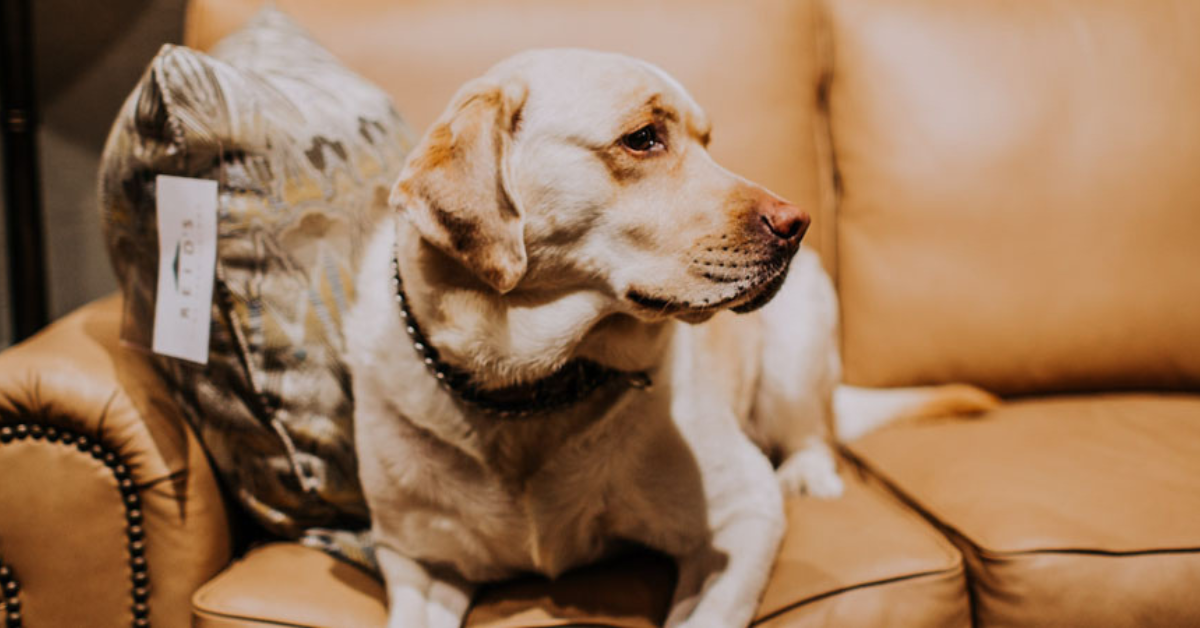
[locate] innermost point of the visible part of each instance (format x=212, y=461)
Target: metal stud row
x=571, y=384
x=10, y=596
x=130, y=497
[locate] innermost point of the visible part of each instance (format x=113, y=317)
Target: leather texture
x=928, y=600
x=863, y=560
x=750, y=65
x=63, y=512
x=1015, y=205
x=1018, y=192
x=859, y=561
x=59, y=484
x=285, y=584
x=1070, y=511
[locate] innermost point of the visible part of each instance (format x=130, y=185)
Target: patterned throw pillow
x=304, y=152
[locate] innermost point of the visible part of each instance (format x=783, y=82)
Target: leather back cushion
x=749, y=64
x=1019, y=192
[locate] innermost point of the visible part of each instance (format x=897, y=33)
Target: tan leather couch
x=1008, y=193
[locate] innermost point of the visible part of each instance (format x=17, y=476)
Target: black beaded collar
x=567, y=386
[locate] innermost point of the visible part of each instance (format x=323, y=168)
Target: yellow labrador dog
x=533, y=387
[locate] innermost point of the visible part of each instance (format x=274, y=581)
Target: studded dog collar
x=569, y=385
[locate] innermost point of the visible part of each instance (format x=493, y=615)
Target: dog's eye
x=642, y=140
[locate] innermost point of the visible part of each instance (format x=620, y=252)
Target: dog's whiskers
x=723, y=270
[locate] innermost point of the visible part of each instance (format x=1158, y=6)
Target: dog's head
x=578, y=170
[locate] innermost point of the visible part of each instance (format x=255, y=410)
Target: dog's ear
x=454, y=187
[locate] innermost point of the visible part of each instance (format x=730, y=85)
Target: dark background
x=86, y=58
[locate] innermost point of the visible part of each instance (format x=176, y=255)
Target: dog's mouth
x=746, y=295
x=765, y=293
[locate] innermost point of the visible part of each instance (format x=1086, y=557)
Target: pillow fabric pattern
x=304, y=152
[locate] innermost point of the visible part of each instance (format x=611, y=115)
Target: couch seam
x=950, y=552
x=273, y=622
x=900, y=506
x=957, y=569
x=1075, y=551
x=828, y=175
x=966, y=548
x=984, y=552
x=196, y=612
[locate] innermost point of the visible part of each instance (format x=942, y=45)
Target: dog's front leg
x=418, y=598
x=720, y=586
x=720, y=583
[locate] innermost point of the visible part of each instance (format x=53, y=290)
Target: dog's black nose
x=784, y=220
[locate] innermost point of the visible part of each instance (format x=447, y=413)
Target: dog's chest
x=525, y=500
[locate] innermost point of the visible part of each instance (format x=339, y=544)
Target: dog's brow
x=658, y=109
x=700, y=129
x=697, y=126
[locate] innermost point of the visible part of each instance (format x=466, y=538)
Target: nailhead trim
x=10, y=596
x=140, y=575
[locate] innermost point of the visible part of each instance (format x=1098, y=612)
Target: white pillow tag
x=187, y=257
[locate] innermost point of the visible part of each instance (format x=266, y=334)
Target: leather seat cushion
x=1072, y=511
x=862, y=560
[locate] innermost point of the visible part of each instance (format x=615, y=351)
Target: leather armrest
x=109, y=510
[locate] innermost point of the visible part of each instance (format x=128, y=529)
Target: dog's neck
x=521, y=337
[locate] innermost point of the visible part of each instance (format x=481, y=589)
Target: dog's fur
x=530, y=233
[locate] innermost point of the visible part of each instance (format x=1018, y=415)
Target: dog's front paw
x=413, y=612
x=811, y=471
